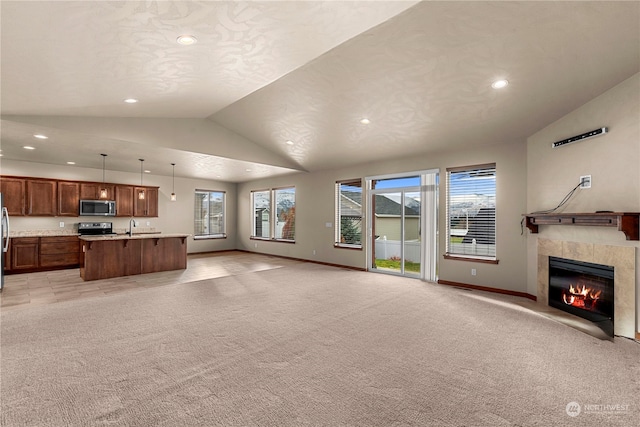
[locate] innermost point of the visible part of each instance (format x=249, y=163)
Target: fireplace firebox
x=583, y=289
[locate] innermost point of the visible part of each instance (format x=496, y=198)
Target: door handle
x=5, y=220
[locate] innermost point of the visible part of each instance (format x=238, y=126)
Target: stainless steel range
x=95, y=228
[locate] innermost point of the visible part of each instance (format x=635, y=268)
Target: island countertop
x=134, y=236
x=117, y=255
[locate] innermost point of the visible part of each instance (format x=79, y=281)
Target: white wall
x=315, y=200
x=173, y=217
x=613, y=161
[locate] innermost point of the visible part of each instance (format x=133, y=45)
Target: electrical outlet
x=61, y=224
x=473, y=271
x=585, y=181
x=148, y=223
x=314, y=251
x=256, y=245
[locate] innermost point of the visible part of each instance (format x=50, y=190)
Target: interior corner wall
x=315, y=208
x=173, y=217
x=612, y=160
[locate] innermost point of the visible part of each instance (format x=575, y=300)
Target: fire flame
x=581, y=296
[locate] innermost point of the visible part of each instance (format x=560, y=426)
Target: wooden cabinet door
x=91, y=191
x=59, y=251
x=68, y=198
x=147, y=206
x=14, y=192
x=24, y=253
x=152, y=202
x=124, y=200
x=139, y=205
x=41, y=197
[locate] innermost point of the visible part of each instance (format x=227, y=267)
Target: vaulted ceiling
x=276, y=87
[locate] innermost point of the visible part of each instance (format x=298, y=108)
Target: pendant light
x=173, y=178
x=141, y=192
x=103, y=191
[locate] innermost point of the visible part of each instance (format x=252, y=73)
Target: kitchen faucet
x=132, y=223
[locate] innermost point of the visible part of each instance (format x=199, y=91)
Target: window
x=261, y=201
x=285, y=221
x=209, y=211
x=274, y=214
x=349, y=214
x=471, y=212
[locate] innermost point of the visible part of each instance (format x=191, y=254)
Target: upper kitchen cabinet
x=13, y=193
x=68, y=198
x=91, y=191
x=147, y=206
x=124, y=200
x=41, y=197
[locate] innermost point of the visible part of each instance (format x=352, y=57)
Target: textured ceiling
x=263, y=73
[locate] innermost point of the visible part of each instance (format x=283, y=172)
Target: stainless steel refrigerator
x=4, y=239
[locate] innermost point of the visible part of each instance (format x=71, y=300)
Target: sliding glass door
x=402, y=215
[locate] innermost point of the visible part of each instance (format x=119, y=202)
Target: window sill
x=268, y=239
x=471, y=259
x=216, y=236
x=346, y=246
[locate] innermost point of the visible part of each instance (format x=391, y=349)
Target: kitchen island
x=110, y=256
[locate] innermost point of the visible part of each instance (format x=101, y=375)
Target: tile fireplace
x=623, y=296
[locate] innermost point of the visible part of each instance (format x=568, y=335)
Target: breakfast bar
x=110, y=256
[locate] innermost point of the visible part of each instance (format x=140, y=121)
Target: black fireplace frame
x=602, y=319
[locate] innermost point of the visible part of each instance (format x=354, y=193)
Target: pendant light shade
x=141, y=194
x=173, y=179
x=103, y=191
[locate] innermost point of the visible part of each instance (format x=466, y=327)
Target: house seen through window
x=274, y=214
x=471, y=212
x=209, y=214
x=349, y=213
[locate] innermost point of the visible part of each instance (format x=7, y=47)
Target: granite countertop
x=43, y=233
x=135, y=236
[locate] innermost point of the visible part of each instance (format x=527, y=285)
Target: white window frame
x=275, y=225
x=338, y=212
x=481, y=252
x=219, y=235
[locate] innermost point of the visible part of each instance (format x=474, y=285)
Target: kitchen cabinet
x=27, y=254
x=124, y=200
x=14, y=192
x=106, y=257
x=149, y=205
x=41, y=197
x=91, y=191
x=24, y=253
x=68, y=198
x=59, y=251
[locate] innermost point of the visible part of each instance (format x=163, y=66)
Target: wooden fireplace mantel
x=627, y=222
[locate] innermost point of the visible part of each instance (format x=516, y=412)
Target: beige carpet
x=309, y=345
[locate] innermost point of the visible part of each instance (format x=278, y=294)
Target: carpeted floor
x=309, y=345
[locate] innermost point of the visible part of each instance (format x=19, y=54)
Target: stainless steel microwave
x=97, y=208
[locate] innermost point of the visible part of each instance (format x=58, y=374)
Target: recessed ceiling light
x=247, y=170
x=186, y=39
x=146, y=171
x=40, y=136
x=289, y=142
x=28, y=147
x=130, y=100
x=499, y=84
x=365, y=121
x=71, y=163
